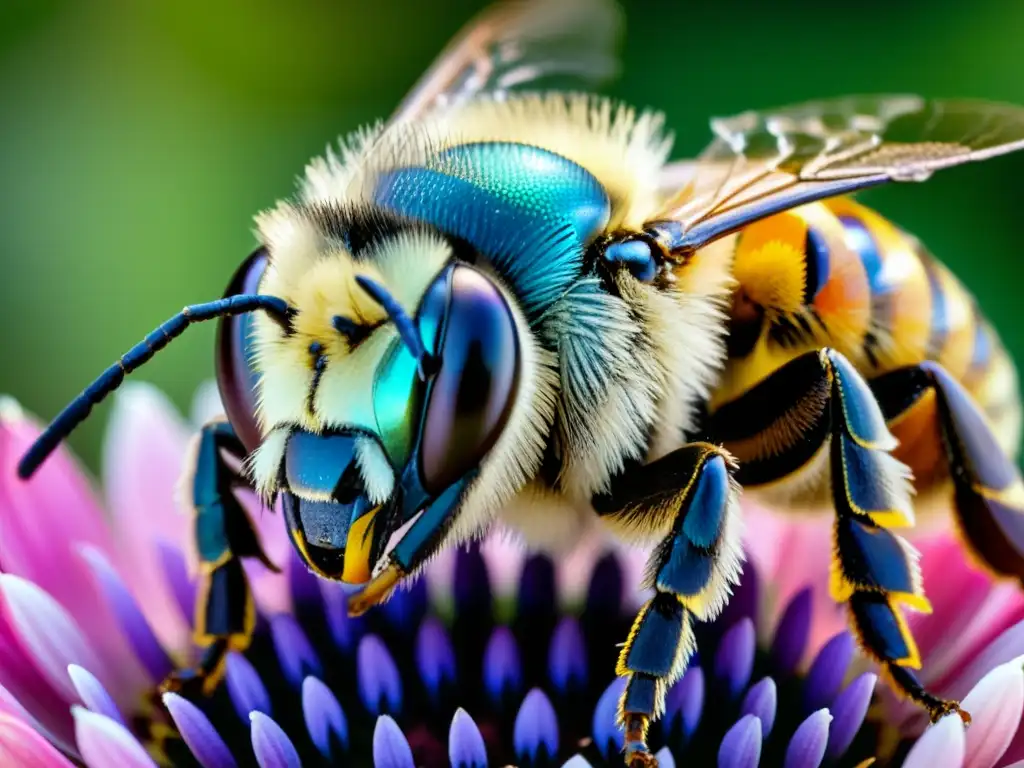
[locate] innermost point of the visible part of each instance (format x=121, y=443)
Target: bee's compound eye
x=636, y=256
x=471, y=396
x=236, y=375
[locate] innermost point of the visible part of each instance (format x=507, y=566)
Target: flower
x=976, y=624
x=492, y=658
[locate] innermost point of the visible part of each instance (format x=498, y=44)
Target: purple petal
x=567, y=658
x=741, y=745
x=245, y=689
x=47, y=633
x=435, y=658
x=407, y=606
x=343, y=628
x=735, y=658
x=380, y=686
x=686, y=699
x=848, y=711
x=92, y=693
x=271, y=744
x=23, y=747
x=296, y=655
x=745, y=601
x=472, y=583
x=465, y=744
x=807, y=747
x=577, y=761
x=104, y=743
x=390, y=748
x=761, y=701
x=176, y=572
x=664, y=758
x=128, y=614
x=827, y=672
x=503, y=673
x=198, y=733
x=536, y=588
x=791, y=635
x=302, y=584
x=536, y=728
x=942, y=744
x=324, y=717
x=996, y=704
x=605, y=591
x=608, y=734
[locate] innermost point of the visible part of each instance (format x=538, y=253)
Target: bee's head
x=411, y=354
x=401, y=369
x=442, y=396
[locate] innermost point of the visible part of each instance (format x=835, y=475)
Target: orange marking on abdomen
x=921, y=447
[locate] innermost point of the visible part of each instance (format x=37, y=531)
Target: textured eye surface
x=471, y=396
x=636, y=256
x=236, y=375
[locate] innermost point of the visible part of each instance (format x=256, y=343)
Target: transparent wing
x=516, y=44
x=761, y=163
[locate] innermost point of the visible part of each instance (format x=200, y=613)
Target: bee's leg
x=225, y=612
x=689, y=497
x=988, y=492
x=816, y=415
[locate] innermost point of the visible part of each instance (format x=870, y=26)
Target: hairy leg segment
x=815, y=424
x=689, y=497
x=225, y=611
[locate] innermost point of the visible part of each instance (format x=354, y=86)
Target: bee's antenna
x=426, y=362
x=78, y=409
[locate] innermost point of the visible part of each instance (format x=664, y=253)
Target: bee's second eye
x=636, y=256
x=472, y=395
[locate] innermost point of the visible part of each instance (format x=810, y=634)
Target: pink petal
x=1006, y=647
x=763, y=530
x=270, y=589
x=807, y=544
x=206, y=404
x=996, y=704
x=143, y=457
x=23, y=689
x=47, y=634
x=22, y=747
x=950, y=585
x=11, y=707
x=943, y=744
x=44, y=519
x=504, y=552
x=106, y=744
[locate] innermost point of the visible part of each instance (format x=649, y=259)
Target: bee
x=505, y=306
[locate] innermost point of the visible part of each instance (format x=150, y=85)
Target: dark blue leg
x=690, y=494
x=225, y=612
x=79, y=409
x=987, y=487
x=819, y=402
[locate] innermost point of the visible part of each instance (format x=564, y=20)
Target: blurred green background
x=138, y=138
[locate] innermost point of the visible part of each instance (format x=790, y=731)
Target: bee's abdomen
x=920, y=311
